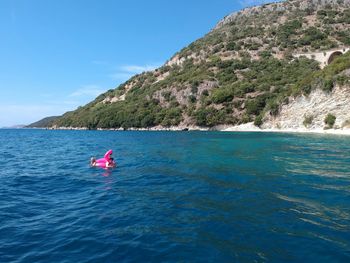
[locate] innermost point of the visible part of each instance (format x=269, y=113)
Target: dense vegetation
x=46, y=122
x=238, y=72
x=329, y=121
x=326, y=78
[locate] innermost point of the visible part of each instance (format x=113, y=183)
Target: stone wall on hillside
x=324, y=57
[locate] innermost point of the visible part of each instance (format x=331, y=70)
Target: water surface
x=175, y=196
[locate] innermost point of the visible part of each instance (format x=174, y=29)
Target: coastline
x=250, y=127
x=247, y=127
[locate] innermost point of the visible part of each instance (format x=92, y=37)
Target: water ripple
x=192, y=197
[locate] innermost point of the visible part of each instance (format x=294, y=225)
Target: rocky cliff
x=311, y=111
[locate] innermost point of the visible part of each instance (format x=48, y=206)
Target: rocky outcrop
x=311, y=111
x=280, y=7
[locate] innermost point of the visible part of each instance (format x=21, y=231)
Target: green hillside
x=240, y=70
x=45, y=122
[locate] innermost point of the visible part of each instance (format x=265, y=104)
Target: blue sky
x=56, y=55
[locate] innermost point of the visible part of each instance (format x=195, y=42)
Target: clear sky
x=56, y=55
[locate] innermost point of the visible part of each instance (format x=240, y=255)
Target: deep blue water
x=175, y=197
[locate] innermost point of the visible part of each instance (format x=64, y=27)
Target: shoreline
x=247, y=127
x=250, y=127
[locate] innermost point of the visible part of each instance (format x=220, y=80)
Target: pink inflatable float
x=105, y=162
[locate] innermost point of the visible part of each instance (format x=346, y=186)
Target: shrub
x=237, y=104
x=258, y=120
x=194, y=88
x=328, y=85
x=209, y=117
x=222, y=95
x=205, y=93
x=166, y=95
x=274, y=108
x=342, y=79
x=329, y=120
x=172, y=116
x=265, y=54
x=245, y=118
x=192, y=99
x=231, y=45
x=308, y=120
x=306, y=89
x=255, y=106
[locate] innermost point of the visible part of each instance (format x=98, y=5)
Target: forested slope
x=242, y=69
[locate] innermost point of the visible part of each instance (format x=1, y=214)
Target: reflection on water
x=327, y=159
x=329, y=215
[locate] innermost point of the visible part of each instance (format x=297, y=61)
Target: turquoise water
x=175, y=196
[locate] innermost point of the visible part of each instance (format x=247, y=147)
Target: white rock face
x=317, y=105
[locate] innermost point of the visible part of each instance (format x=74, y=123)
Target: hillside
x=45, y=122
x=243, y=70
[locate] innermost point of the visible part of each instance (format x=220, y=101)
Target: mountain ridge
x=280, y=6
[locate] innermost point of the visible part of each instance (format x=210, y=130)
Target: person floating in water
x=111, y=163
x=106, y=162
x=93, y=161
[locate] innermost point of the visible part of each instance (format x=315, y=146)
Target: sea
x=174, y=197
